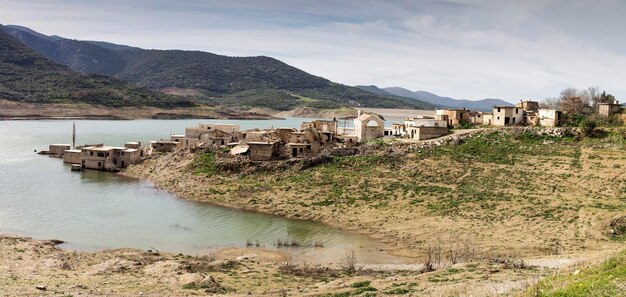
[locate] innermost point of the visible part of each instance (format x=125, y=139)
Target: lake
x=91, y=210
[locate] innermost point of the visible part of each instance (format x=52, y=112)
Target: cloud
x=465, y=49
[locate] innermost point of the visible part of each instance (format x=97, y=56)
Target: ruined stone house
x=369, y=126
x=507, y=116
x=454, y=117
x=550, y=117
x=608, y=109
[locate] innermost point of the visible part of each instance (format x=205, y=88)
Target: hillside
x=216, y=79
x=482, y=105
x=26, y=76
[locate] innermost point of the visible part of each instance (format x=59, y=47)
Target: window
x=516, y=110
x=498, y=118
x=99, y=164
x=498, y=109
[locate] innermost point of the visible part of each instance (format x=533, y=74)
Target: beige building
x=528, y=105
x=487, y=119
x=608, y=109
x=260, y=151
x=507, y=116
x=165, y=145
x=109, y=158
x=478, y=118
x=58, y=149
x=211, y=134
x=550, y=117
x=324, y=126
x=72, y=156
x=454, y=117
x=299, y=150
x=423, y=133
x=348, y=140
x=369, y=126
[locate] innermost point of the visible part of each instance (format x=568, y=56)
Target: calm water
x=91, y=210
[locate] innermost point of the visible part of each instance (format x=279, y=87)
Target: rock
x=618, y=225
x=190, y=278
x=576, y=272
x=41, y=288
x=244, y=258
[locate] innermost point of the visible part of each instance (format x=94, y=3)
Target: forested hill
x=215, y=79
x=27, y=76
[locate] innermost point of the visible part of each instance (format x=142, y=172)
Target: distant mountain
x=27, y=76
x=214, y=79
x=378, y=91
x=481, y=105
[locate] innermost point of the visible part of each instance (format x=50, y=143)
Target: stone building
x=550, y=117
x=454, y=117
x=72, y=156
x=260, y=151
x=528, y=105
x=369, y=126
x=214, y=134
x=423, y=133
x=165, y=145
x=58, y=149
x=507, y=116
x=608, y=109
x=109, y=158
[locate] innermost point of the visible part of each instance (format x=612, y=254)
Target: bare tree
x=348, y=262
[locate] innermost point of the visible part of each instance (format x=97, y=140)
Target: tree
x=575, y=102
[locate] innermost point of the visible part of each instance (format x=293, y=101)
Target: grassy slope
x=606, y=279
x=507, y=195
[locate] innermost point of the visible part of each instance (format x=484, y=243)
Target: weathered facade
x=507, y=116
x=550, y=117
x=260, y=151
x=369, y=126
x=455, y=117
x=423, y=133
x=72, y=156
x=165, y=145
x=608, y=109
x=528, y=105
x=58, y=149
x=109, y=158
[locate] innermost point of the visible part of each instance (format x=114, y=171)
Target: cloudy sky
x=464, y=49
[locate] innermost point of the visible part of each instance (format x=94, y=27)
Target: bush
x=588, y=127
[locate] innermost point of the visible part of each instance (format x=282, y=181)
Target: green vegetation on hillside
x=232, y=81
x=606, y=279
x=28, y=77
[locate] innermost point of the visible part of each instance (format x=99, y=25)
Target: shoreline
x=10, y=110
x=385, y=241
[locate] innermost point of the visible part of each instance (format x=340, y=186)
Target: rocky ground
x=38, y=268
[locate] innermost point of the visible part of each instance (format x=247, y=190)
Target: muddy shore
x=10, y=110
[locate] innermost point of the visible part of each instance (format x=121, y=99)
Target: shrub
x=588, y=127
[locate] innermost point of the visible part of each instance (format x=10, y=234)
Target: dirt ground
x=10, y=110
x=37, y=268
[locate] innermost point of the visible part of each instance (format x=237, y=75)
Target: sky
x=508, y=49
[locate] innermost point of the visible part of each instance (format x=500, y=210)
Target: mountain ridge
x=214, y=79
x=27, y=76
x=481, y=105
